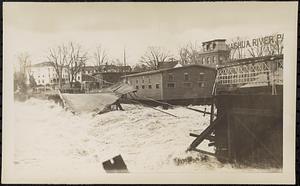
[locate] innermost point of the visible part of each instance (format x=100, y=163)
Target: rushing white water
x=52, y=141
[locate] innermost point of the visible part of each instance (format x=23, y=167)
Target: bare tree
x=140, y=68
x=76, y=61
x=237, y=52
x=270, y=45
x=100, y=57
x=59, y=59
x=275, y=47
x=257, y=51
x=20, y=77
x=117, y=62
x=69, y=57
x=24, y=62
x=154, y=55
x=189, y=53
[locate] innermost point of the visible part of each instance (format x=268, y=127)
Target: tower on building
x=214, y=52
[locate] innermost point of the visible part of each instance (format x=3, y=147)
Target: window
x=137, y=81
x=214, y=45
x=186, y=77
x=201, y=76
x=149, y=80
x=78, y=78
x=201, y=84
x=214, y=59
x=143, y=81
x=221, y=58
x=208, y=60
x=171, y=85
x=203, y=60
x=187, y=84
x=157, y=86
x=143, y=86
x=171, y=77
x=137, y=87
x=150, y=86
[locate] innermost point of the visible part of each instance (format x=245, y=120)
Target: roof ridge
x=167, y=69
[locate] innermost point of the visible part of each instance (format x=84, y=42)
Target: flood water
x=49, y=140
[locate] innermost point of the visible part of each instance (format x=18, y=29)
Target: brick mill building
x=179, y=83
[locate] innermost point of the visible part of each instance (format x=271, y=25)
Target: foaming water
x=52, y=141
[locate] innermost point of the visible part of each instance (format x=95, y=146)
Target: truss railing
x=252, y=72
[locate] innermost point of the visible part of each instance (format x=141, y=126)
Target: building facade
x=45, y=74
x=214, y=52
x=181, y=83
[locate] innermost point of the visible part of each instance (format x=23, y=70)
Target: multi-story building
x=45, y=74
x=179, y=83
x=214, y=52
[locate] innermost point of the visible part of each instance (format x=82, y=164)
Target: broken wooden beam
x=194, y=135
x=201, y=111
x=209, y=137
x=203, y=135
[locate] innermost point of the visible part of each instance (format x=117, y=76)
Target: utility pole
x=124, y=57
x=124, y=60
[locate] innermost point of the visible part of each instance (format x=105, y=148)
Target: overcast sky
x=36, y=27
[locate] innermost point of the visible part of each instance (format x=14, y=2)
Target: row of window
x=172, y=78
x=211, y=60
x=186, y=77
x=171, y=85
x=209, y=46
x=186, y=84
x=51, y=81
x=41, y=81
x=157, y=86
x=143, y=81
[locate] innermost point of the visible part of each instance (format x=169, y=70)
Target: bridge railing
x=252, y=72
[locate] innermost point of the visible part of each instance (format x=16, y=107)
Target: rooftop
x=169, y=69
x=214, y=40
x=43, y=64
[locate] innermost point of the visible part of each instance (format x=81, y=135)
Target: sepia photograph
x=165, y=92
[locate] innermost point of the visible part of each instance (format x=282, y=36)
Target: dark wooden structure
x=248, y=102
x=249, y=129
x=116, y=166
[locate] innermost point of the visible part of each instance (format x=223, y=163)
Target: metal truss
x=267, y=72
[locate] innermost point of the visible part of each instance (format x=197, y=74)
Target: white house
x=45, y=74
